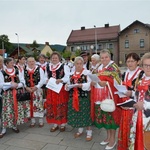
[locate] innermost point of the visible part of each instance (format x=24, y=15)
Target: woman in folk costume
x=108, y=71
x=13, y=112
x=79, y=100
x=95, y=90
x=57, y=103
x=129, y=77
x=21, y=63
x=141, y=115
x=42, y=63
x=34, y=80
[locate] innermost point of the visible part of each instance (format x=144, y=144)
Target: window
x=72, y=49
x=141, y=43
x=100, y=46
x=109, y=46
x=141, y=54
x=136, y=30
x=126, y=43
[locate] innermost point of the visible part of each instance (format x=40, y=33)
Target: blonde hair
x=96, y=56
x=1, y=58
x=105, y=51
x=145, y=56
x=78, y=58
x=30, y=58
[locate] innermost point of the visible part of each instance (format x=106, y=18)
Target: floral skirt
x=82, y=117
x=104, y=119
x=56, y=106
x=8, y=114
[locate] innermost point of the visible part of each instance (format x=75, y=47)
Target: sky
x=53, y=20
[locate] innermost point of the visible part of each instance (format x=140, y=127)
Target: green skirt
x=104, y=119
x=82, y=117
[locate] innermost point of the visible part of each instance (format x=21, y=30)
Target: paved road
x=42, y=139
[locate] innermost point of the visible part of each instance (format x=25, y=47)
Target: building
x=27, y=50
x=134, y=38
x=93, y=40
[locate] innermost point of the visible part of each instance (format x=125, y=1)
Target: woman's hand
x=125, y=108
x=93, y=83
x=14, y=85
x=29, y=89
x=139, y=105
x=102, y=83
x=79, y=86
x=34, y=88
x=59, y=81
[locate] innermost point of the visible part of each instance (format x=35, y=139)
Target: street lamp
x=95, y=39
x=18, y=43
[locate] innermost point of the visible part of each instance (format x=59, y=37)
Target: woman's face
x=22, y=60
x=55, y=59
x=78, y=65
x=10, y=64
x=105, y=59
x=132, y=64
x=42, y=60
x=31, y=63
x=94, y=61
x=146, y=67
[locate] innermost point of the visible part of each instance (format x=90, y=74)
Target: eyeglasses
x=146, y=66
x=130, y=61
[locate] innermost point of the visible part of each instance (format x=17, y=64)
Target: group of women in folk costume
x=13, y=112
x=128, y=79
x=75, y=105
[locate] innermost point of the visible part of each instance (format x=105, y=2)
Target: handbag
x=108, y=105
x=146, y=137
x=23, y=94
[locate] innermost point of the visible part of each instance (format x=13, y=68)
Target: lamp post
x=18, y=43
x=95, y=39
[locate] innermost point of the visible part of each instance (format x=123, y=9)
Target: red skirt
x=56, y=106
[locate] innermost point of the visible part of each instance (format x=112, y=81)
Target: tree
x=77, y=52
x=7, y=45
x=34, y=44
x=66, y=53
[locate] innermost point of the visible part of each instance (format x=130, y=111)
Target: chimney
x=46, y=43
x=107, y=25
x=82, y=28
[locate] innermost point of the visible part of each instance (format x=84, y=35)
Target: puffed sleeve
x=146, y=105
x=86, y=86
x=21, y=79
x=42, y=80
x=67, y=74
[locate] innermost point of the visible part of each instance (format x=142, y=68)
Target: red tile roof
x=87, y=35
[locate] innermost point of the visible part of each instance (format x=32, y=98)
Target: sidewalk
x=42, y=139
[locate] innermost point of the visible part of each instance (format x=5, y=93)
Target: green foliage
x=66, y=54
x=7, y=45
x=34, y=44
x=77, y=52
x=48, y=54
